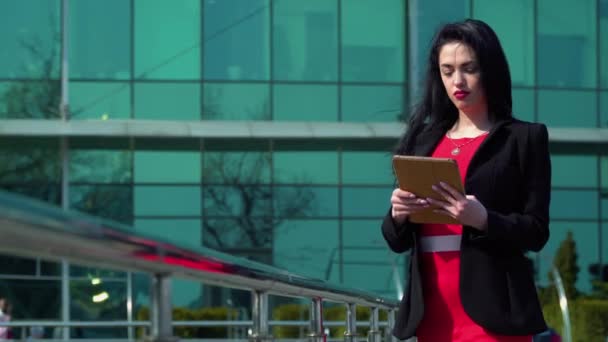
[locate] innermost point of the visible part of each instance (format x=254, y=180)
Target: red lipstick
x=461, y=94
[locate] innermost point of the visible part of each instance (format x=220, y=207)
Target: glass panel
x=167, y=39
x=47, y=192
x=374, y=51
x=561, y=108
x=297, y=246
x=236, y=168
x=113, y=202
x=99, y=50
x=567, y=40
x=33, y=299
x=428, y=18
x=92, y=301
x=30, y=100
x=513, y=22
x=244, y=236
x=100, y=166
x=367, y=168
x=242, y=201
x=371, y=103
x=236, y=102
x=22, y=163
x=101, y=101
x=236, y=39
x=604, y=109
x=305, y=36
x=562, y=204
x=305, y=201
x=169, y=101
x=167, y=167
x=30, y=39
x=586, y=238
x=303, y=167
x=523, y=104
x=584, y=167
x=17, y=266
x=603, y=15
x=184, y=232
x=167, y=200
x=604, y=189
x=376, y=203
x=305, y=103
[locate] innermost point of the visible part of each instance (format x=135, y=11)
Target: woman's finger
x=455, y=193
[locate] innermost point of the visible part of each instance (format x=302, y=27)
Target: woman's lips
x=461, y=94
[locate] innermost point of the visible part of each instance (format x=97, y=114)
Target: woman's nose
x=458, y=79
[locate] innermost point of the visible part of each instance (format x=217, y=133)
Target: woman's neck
x=469, y=125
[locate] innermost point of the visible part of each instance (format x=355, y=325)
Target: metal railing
x=33, y=229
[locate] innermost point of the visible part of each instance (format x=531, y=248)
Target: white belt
x=440, y=243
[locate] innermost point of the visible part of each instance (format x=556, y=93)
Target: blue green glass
x=100, y=101
x=303, y=167
x=297, y=246
x=523, y=104
x=584, y=166
x=513, y=22
x=236, y=168
x=236, y=39
x=365, y=201
x=305, y=201
x=369, y=168
x=305, y=103
x=603, y=39
x=168, y=101
x=109, y=201
x=30, y=99
x=564, y=108
x=167, y=39
x=374, y=51
x=100, y=47
x=160, y=167
x=604, y=109
x=566, y=43
x=30, y=37
x=562, y=207
x=305, y=40
x=159, y=200
x=372, y=103
x=226, y=101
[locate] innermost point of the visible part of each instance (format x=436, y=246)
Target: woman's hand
x=405, y=203
x=465, y=209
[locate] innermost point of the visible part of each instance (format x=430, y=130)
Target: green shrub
x=588, y=318
x=203, y=314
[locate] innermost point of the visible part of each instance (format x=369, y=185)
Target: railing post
x=317, y=332
x=389, y=329
x=161, y=313
x=374, y=326
x=350, y=335
x=259, y=308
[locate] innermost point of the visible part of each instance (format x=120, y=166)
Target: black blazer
x=510, y=174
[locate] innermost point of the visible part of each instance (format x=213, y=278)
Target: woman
x=472, y=282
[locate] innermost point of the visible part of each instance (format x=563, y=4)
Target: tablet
x=418, y=174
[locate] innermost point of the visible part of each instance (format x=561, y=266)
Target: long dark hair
x=435, y=109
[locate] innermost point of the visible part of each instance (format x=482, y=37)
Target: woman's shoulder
x=525, y=128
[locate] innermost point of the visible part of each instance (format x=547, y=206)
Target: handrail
x=35, y=229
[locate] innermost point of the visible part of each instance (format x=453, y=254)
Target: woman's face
x=461, y=76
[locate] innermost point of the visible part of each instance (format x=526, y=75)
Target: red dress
x=444, y=317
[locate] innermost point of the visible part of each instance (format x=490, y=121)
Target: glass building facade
x=312, y=207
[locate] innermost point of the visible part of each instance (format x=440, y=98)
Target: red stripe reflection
x=201, y=265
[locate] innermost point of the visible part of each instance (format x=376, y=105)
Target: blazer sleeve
x=399, y=238
x=528, y=230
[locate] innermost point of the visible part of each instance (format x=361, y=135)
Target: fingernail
x=434, y=187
